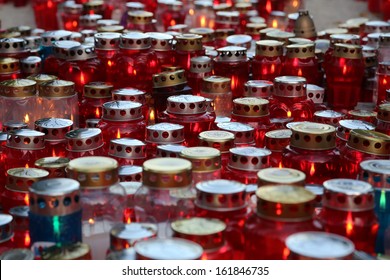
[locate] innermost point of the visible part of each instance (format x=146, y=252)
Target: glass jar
x=49, y=38
x=233, y=63
x=363, y=145
x=9, y=69
x=7, y=232
x=140, y=21
x=58, y=99
x=56, y=58
x=311, y=245
x=227, y=19
x=30, y=65
x=18, y=101
x=46, y=14
x=348, y=210
x=206, y=163
x=18, y=180
x=383, y=48
x=55, y=130
x=219, y=90
x=344, y=130
x=276, y=141
x=55, y=211
x=344, y=73
x=245, y=162
x=204, y=14
x=84, y=142
x=187, y=47
x=163, y=134
x=254, y=112
x=102, y=199
x=136, y=63
x=130, y=190
x=127, y=151
x=165, y=194
x=71, y=16
x=21, y=237
x=340, y=39
x=258, y=88
x=162, y=46
x=328, y=117
x=382, y=79
x=243, y=133
x=13, y=48
x=200, y=69
x=189, y=111
x=376, y=173
x=208, y=233
x=56, y=166
x=107, y=48
x=312, y=150
x=225, y=200
x=173, y=15
x=281, y=211
x=168, y=249
x=95, y=95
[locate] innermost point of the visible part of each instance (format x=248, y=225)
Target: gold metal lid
x=281, y=176
x=281, y=36
x=56, y=89
x=140, y=17
x=221, y=195
x=201, y=64
x=84, y=139
x=93, y=7
x=290, y=86
x=376, y=172
x=249, y=158
x=169, y=150
x=186, y=105
x=89, y=21
x=277, y=140
x=54, y=128
x=251, y=107
x=130, y=173
x=94, y=172
x=54, y=165
x=328, y=117
x=110, y=28
x=124, y=236
x=208, y=34
x=164, y=133
x=167, y=173
x=285, y=203
x=12, y=45
x=21, y=179
x=169, y=79
x=345, y=127
x=221, y=140
x=304, y=25
x=26, y=139
x=370, y=142
x=312, y=245
x=376, y=26
x=243, y=133
x=50, y=37
x=209, y=233
x=17, y=88
x=107, y=41
x=216, y=84
x=98, y=90
x=231, y=54
x=315, y=93
x=202, y=158
x=253, y=28
x=348, y=195
x=9, y=65
x=364, y=115
x=300, y=50
x=348, y=51
x=189, y=42
x=41, y=78
x=127, y=148
x=129, y=94
x=6, y=227
x=135, y=41
x=313, y=136
x=31, y=65
x=75, y=251
x=227, y=17
x=122, y=111
x=269, y=48
x=384, y=112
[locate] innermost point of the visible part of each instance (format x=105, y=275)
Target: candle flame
x=312, y=169
x=128, y=220
x=49, y=4
x=97, y=113
x=172, y=22
x=118, y=134
x=295, y=3
x=202, y=21
x=191, y=12
x=109, y=63
x=289, y=114
x=134, y=72
x=286, y=252
x=274, y=23
x=27, y=166
x=26, y=199
x=268, y=6
x=74, y=23
x=384, y=81
x=234, y=82
x=344, y=69
x=280, y=165
x=26, y=118
x=27, y=239
x=82, y=78
x=152, y=116
x=349, y=225
x=91, y=221
x=299, y=72
x=272, y=68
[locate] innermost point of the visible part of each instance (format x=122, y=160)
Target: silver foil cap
x=50, y=37
x=127, y=148
x=160, y=41
x=107, y=41
x=231, y=54
x=122, y=111
x=12, y=45
x=60, y=47
x=249, y=158
x=55, y=129
x=130, y=173
x=186, y=104
x=82, y=52
x=89, y=21
x=315, y=93
x=243, y=133
x=259, y=88
x=165, y=133
x=84, y=139
x=129, y=94
x=376, y=172
x=345, y=127
x=201, y=64
x=25, y=139
x=328, y=117
x=290, y=86
x=135, y=41
x=31, y=65
x=169, y=150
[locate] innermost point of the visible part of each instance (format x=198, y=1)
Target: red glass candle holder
x=363, y=145
x=18, y=181
x=127, y=151
x=56, y=166
x=244, y=135
x=276, y=141
x=173, y=15
x=21, y=236
x=268, y=61
x=385, y=9
x=206, y=163
x=350, y=213
x=141, y=21
x=46, y=14
x=130, y=173
x=208, y=35
x=233, y=63
x=344, y=129
x=227, y=20
x=312, y=150
x=383, y=79
x=281, y=211
x=122, y=119
x=245, y=162
x=54, y=61
x=340, y=39
x=136, y=62
x=224, y=200
x=106, y=48
x=71, y=16
x=84, y=142
x=383, y=119
x=162, y=46
x=134, y=95
x=253, y=29
x=254, y=112
x=187, y=47
x=189, y=111
x=163, y=134
x=9, y=69
x=54, y=130
x=201, y=67
x=95, y=95
x=95, y=8
x=374, y=6
x=218, y=89
x=344, y=73
x=31, y=65
x=328, y=117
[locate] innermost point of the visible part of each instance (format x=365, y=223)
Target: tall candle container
x=209, y=233
x=268, y=61
x=57, y=57
x=162, y=46
x=163, y=134
x=312, y=150
x=281, y=211
x=21, y=236
x=218, y=89
x=206, y=163
x=201, y=67
x=165, y=194
x=224, y=200
x=18, y=101
x=175, y=14
x=348, y=210
x=56, y=166
x=244, y=135
x=102, y=200
x=382, y=79
x=84, y=142
x=141, y=21
x=58, y=99
x=276, y=141
x=45, y=13
x=70, y=16
x=127, y=151
x=383, y=119
x=55, y=211
x=106, y=48
x=187, y=47
x=204, y=14
x=10, y=69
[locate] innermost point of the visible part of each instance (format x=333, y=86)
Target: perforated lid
x=12, y=45
x=107, y=41
x=122, y=111
x=249, y=158
x=370, y=142
x=202, y=158
x=26, y=139
x=160, y=41
x=135, y=41
x=250, y=107
x=49, y=37
x=54, y=129
x=243, y=133
x=313, y=136
x=164, y=133
x=290, y=86
x=84, y=139
x=231, y=54
x=31, y=65
x=129, y=94
x=186, y=104
x=98, y=90
x=127, y=148
x=258, y=88
x=281, y=176
x=221, y=140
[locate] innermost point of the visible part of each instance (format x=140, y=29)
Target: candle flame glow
x=268, y=6
x=280, y=165
x=202, y=21
x=312, y=169
x=91, y=221
x=286, y=252
x=27, y=239
x=152, y=116
x=349, y=225
x=191, y=12
x=295, y=3
x=234, y=82
x=274, y=23
x=118, y=134
x=49, y=4
x=172, y=22
x=345, y=69
x=97, y=113
x=288, y=114
x=299, y=72
x=53, y=153
x=27, y=166
x=74, y=23
x=384, y=82
x=272, y=68
x=26, y=118
x=26, y=199
x=278, y=209
x=109, y=63
x=82, y=78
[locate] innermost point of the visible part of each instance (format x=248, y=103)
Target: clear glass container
x=162, y=46
x=71, y=16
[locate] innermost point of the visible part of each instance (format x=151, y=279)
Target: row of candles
x=225, y=126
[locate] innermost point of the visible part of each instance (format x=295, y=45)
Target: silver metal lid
x=31, y=65
x=201, y=64
x=84, y=139
x=240, y=40
x=130, y=173
x=377, y=26
x=129, y=94
x=82, y=52
x=127, y=148
x=376, y=172
x=13, y=125
x=160, y=41
x=169, y=150
x=231, y=54
x=54, y=128
x=12, y=45
x=49, y=37
x=328, y=117
x=20, y=211
x=107, y=41
x=33, y=42
x=345, y=127
x=290, y=86
x=135, y=41
x=186, y=104
x=243, y=133
x=26, y=139
x=164, y=133
x=249, y=158
x=60, y=48
x=122, y=111
x=89, y=21
x=315, y=93
x=258, y=88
